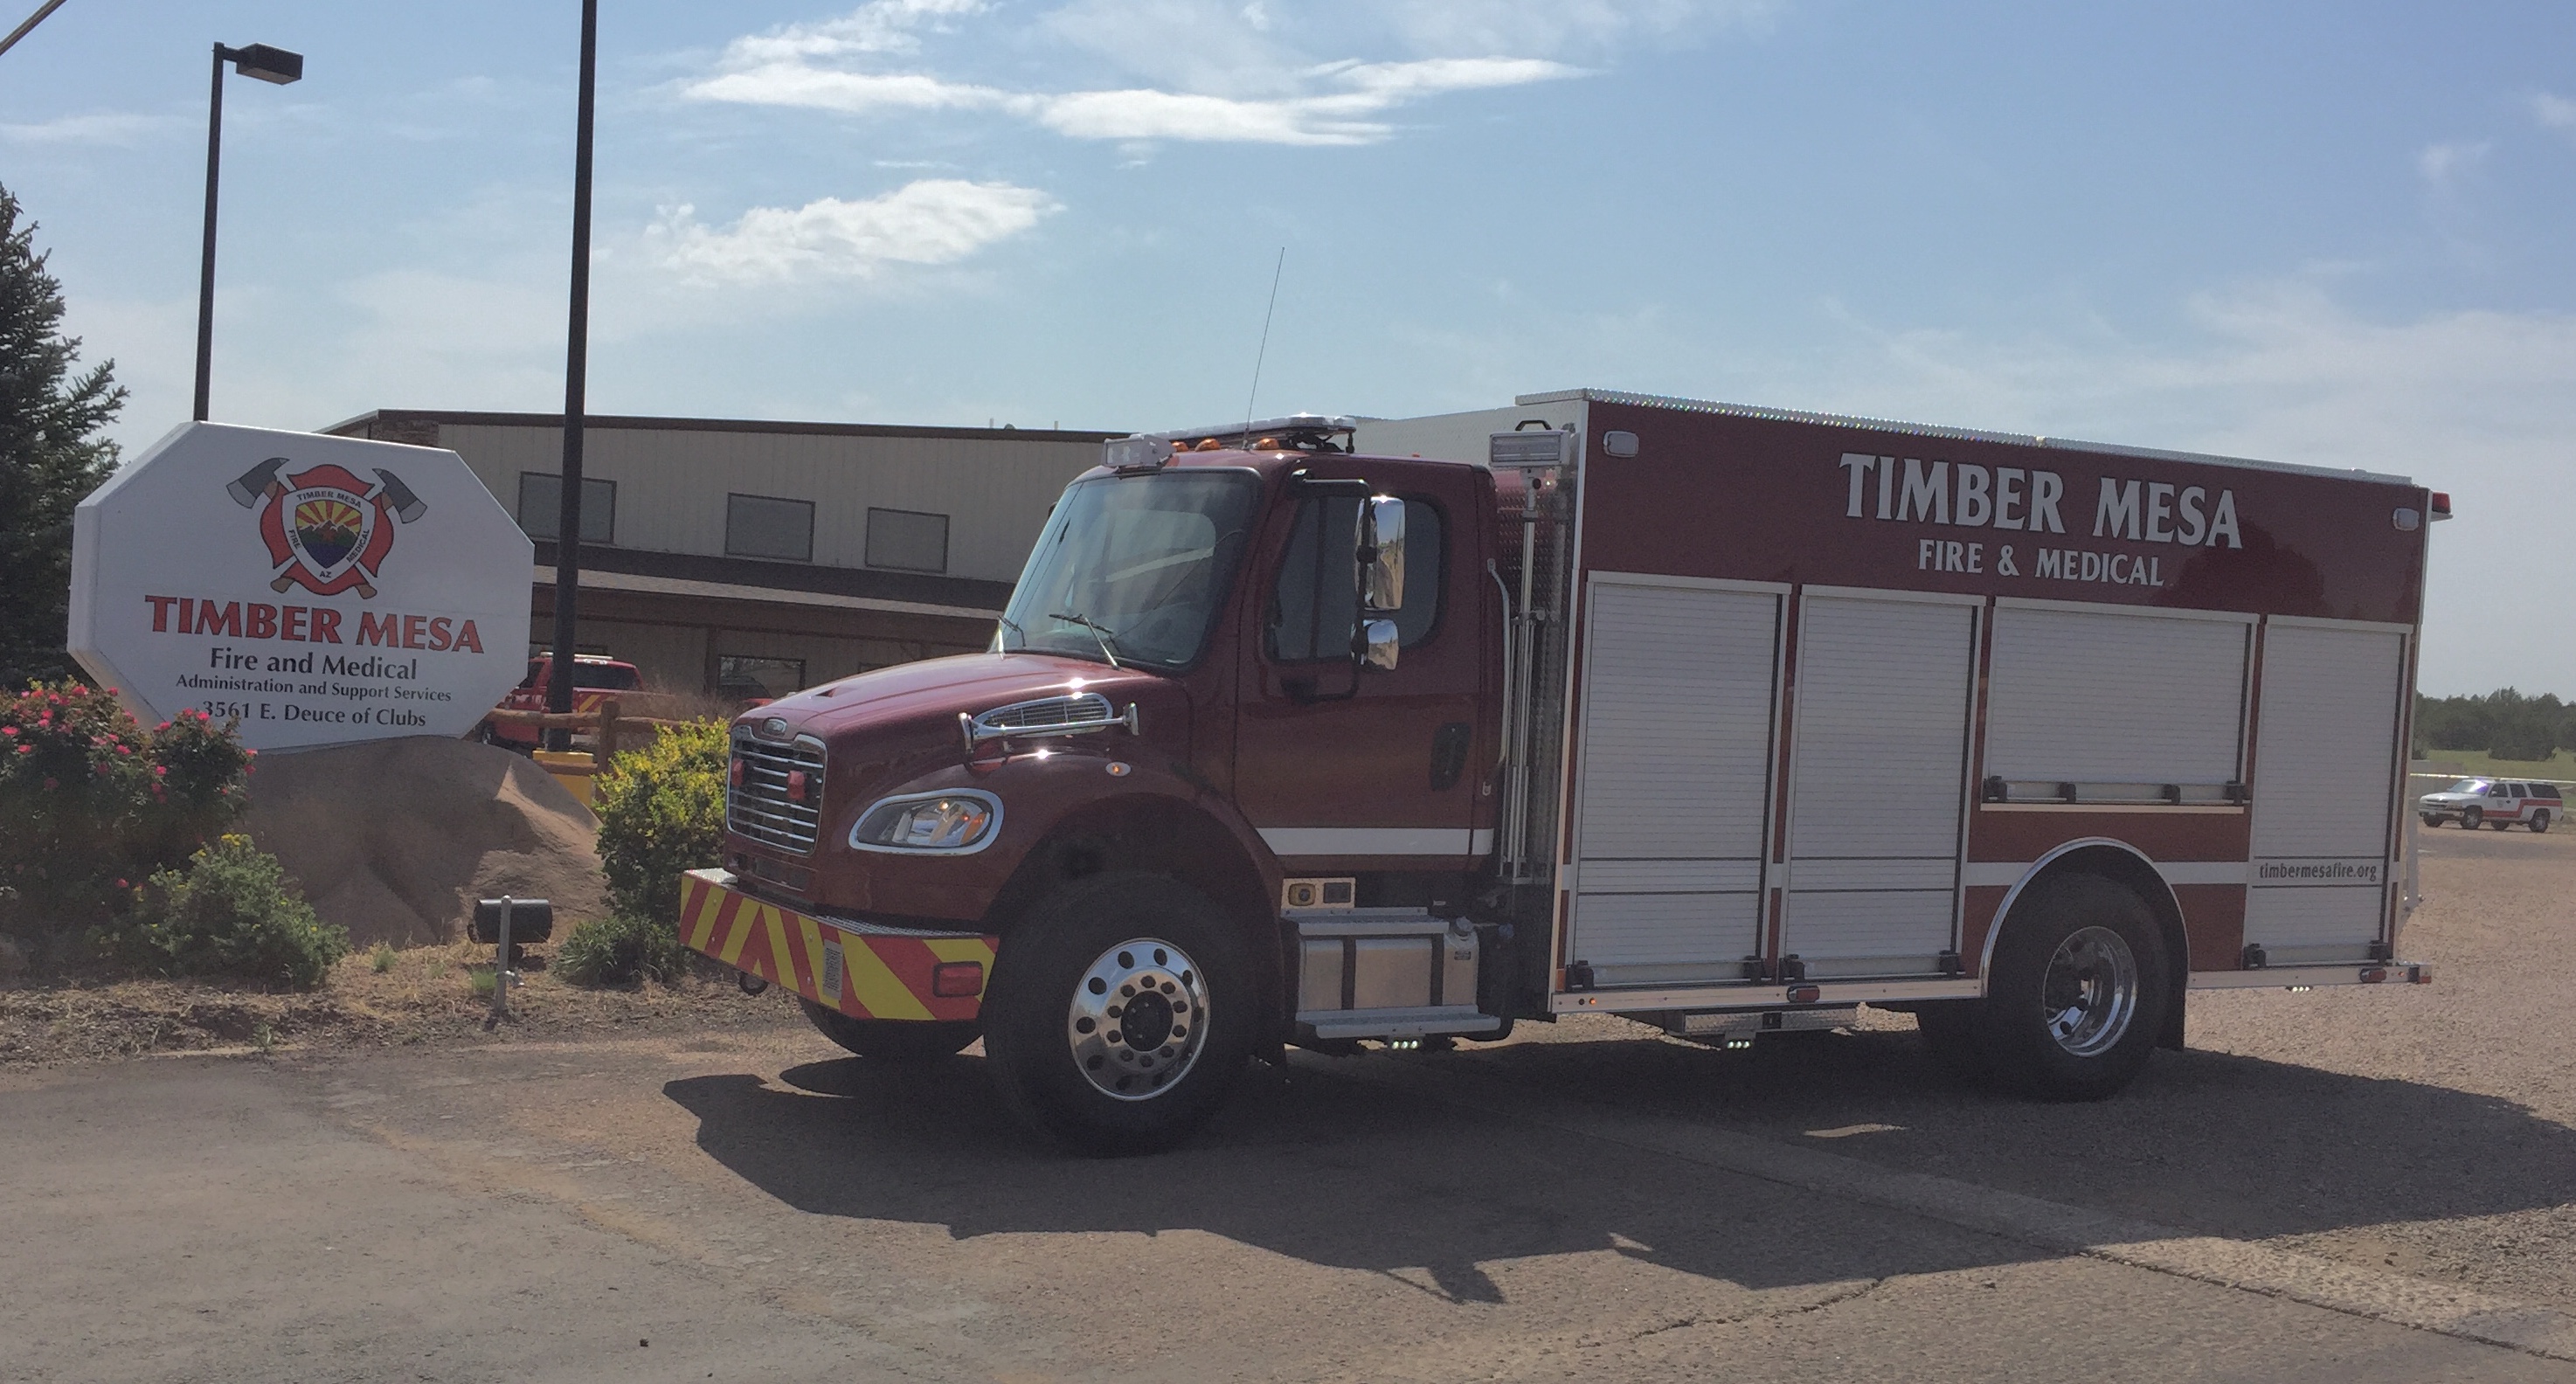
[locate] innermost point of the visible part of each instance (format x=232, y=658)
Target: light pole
x=576, y=384
x=269, y=65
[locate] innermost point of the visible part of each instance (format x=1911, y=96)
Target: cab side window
x=1313, y=600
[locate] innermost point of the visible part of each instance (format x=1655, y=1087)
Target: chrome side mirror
x=1379, y=644
x=1381, y=557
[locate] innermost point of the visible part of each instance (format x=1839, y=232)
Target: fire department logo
x=326, y=530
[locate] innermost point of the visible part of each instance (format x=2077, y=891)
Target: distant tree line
x=2503, y=723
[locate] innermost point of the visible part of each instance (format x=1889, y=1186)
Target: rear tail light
x=957, y=980
x=2374, y=975
x=1805, y=994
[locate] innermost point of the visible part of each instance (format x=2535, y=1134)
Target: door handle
x=1449, y=754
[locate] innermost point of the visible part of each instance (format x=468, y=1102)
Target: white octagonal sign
x=316, y=589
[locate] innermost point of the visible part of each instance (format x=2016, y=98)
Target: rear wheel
x=2079, y=990
x=891, y=1040
x=1120, y=1014
x=2539, y=823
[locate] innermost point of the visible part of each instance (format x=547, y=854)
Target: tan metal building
x=755, y=558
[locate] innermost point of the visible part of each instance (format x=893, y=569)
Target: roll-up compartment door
x=1877, y=784
x=1675, y=763
x=2119, y=705
x=2325, y=771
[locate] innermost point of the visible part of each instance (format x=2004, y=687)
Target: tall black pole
x=576, y=383
x=206, y=270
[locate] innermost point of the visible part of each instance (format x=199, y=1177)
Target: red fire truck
x=1319, y=731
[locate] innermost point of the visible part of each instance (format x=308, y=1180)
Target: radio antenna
x=1264, y=352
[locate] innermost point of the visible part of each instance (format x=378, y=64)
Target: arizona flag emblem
x=326, y=530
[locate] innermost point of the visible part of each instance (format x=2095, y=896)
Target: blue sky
x=2335, y=234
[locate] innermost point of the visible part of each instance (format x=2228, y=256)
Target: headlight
x=962, y=822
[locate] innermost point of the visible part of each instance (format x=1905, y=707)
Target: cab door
x=1369, y=772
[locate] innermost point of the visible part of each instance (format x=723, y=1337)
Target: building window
x=761, y=526
x=903, y=539
x=541, y=498
x=748, y=678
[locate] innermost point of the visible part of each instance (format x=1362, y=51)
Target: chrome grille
x=759, y=809
x=1088, y=708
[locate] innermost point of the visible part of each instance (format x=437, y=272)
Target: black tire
x=2432, y=821
x=892, y=1040
x=1094, y=1088
x=2470, y=817
x=2067, y=936
x=2501, y=826
x=2539, y=823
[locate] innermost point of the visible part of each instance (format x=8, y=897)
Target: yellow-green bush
x=661, y=812
x=621, y=950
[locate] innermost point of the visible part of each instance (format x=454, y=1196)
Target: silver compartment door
x=1878, y=765
x=1675, y=761
x=2325, y=768
x=2130, y=700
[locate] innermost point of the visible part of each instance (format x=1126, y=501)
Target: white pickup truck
x=2499, y=803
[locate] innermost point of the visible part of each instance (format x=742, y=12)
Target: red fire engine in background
x=1727, y=720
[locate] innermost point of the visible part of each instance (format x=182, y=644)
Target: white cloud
x=111, y=127
x=1224, y=75
x=2554, y=112
x=1561, y=26
x=2443, y=164
x=933, y=221
x=880, y=26
x=830, y=89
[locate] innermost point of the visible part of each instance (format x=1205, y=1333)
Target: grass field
x=2560, y=766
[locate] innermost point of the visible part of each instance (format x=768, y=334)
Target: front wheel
x=1120, y=1014
x=2430, y=820
x=2078, y=993
x=891, y=1040
x=2470, y=817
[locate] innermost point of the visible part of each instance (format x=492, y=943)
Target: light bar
x=1536, y=450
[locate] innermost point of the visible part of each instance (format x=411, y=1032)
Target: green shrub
x=94, y=802
x=621, y=950
x=232, y=912
x=661, y=812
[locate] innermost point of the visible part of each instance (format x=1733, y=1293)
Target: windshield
x=1133, y=567
x=2468, y=786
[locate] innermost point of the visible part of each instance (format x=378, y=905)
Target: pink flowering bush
x=94, y=803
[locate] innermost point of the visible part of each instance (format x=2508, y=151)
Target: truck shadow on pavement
x=1319, y=1162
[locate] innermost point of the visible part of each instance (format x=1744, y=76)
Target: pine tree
x=51, y=455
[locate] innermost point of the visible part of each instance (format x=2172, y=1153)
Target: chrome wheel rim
x=1138, y=1019
x=2090, y=992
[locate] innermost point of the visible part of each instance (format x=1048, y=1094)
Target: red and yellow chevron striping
x=882, y=975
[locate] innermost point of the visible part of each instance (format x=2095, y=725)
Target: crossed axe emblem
x=262, y=482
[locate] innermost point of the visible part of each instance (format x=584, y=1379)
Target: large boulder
x=395, y=839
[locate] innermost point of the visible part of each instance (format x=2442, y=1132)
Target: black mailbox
x=531, y=920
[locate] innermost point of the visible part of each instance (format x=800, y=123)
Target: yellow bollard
x=572, y=768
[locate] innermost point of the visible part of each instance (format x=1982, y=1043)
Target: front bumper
x=865, y=970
